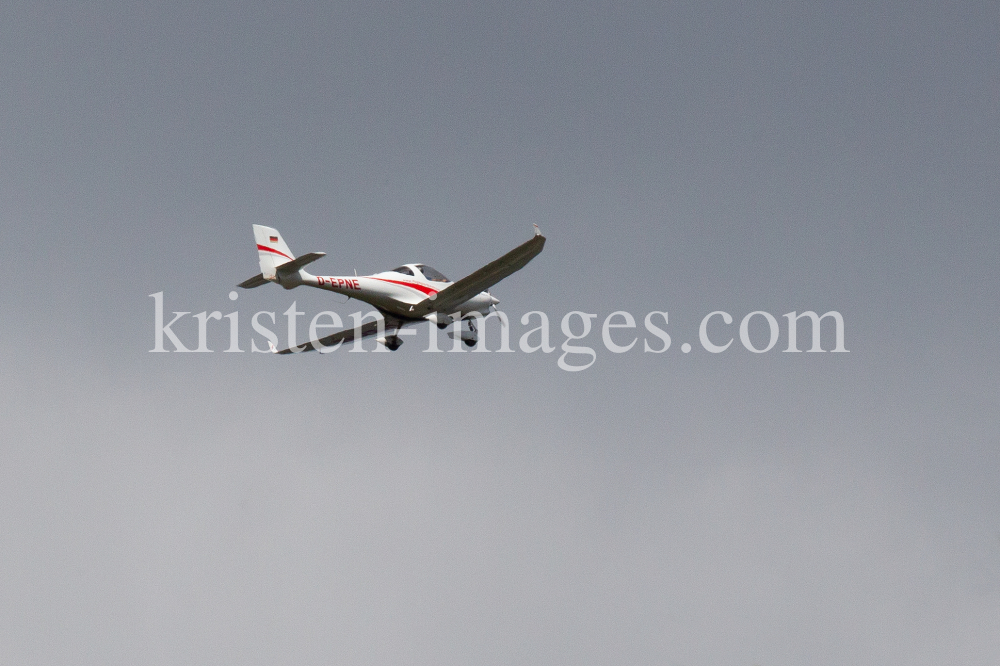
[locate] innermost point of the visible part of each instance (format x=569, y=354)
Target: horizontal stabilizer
x=297, y=263
x=255, y=281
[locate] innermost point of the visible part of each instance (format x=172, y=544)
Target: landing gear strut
x=471, y=342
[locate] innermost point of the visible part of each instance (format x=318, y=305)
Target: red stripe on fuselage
x=265, y=248
x=411, y=285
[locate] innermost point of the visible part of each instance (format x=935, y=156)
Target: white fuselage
x=390, y=291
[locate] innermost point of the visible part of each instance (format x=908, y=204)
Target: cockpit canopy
x=428, y=272
x=431, y=274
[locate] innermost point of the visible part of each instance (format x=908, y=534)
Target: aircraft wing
x=346, y=335
x=459, y=292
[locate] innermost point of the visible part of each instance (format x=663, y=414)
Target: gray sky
x=420, y=508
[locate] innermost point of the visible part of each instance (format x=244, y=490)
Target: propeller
x=493, y=306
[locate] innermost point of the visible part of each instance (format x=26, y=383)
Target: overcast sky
x=415, y=508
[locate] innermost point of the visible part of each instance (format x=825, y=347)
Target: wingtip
x=538, y=232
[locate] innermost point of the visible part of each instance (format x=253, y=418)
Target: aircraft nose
x=494, y=300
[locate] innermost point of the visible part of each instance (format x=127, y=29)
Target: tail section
x=256, y=281
x=272, y=250
x=277, y=263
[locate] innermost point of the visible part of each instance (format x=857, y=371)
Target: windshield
x=405, y=270
x=432, y=274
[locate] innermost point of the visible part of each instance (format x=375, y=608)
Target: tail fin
x=277, y=263
x=272, y=250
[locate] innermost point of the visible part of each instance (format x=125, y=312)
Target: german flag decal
x=274, y=239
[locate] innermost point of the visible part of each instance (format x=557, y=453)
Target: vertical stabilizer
x=272, y=250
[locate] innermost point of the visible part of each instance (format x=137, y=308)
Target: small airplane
x=404, y=296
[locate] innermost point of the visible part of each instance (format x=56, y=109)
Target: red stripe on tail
x=264, y=248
